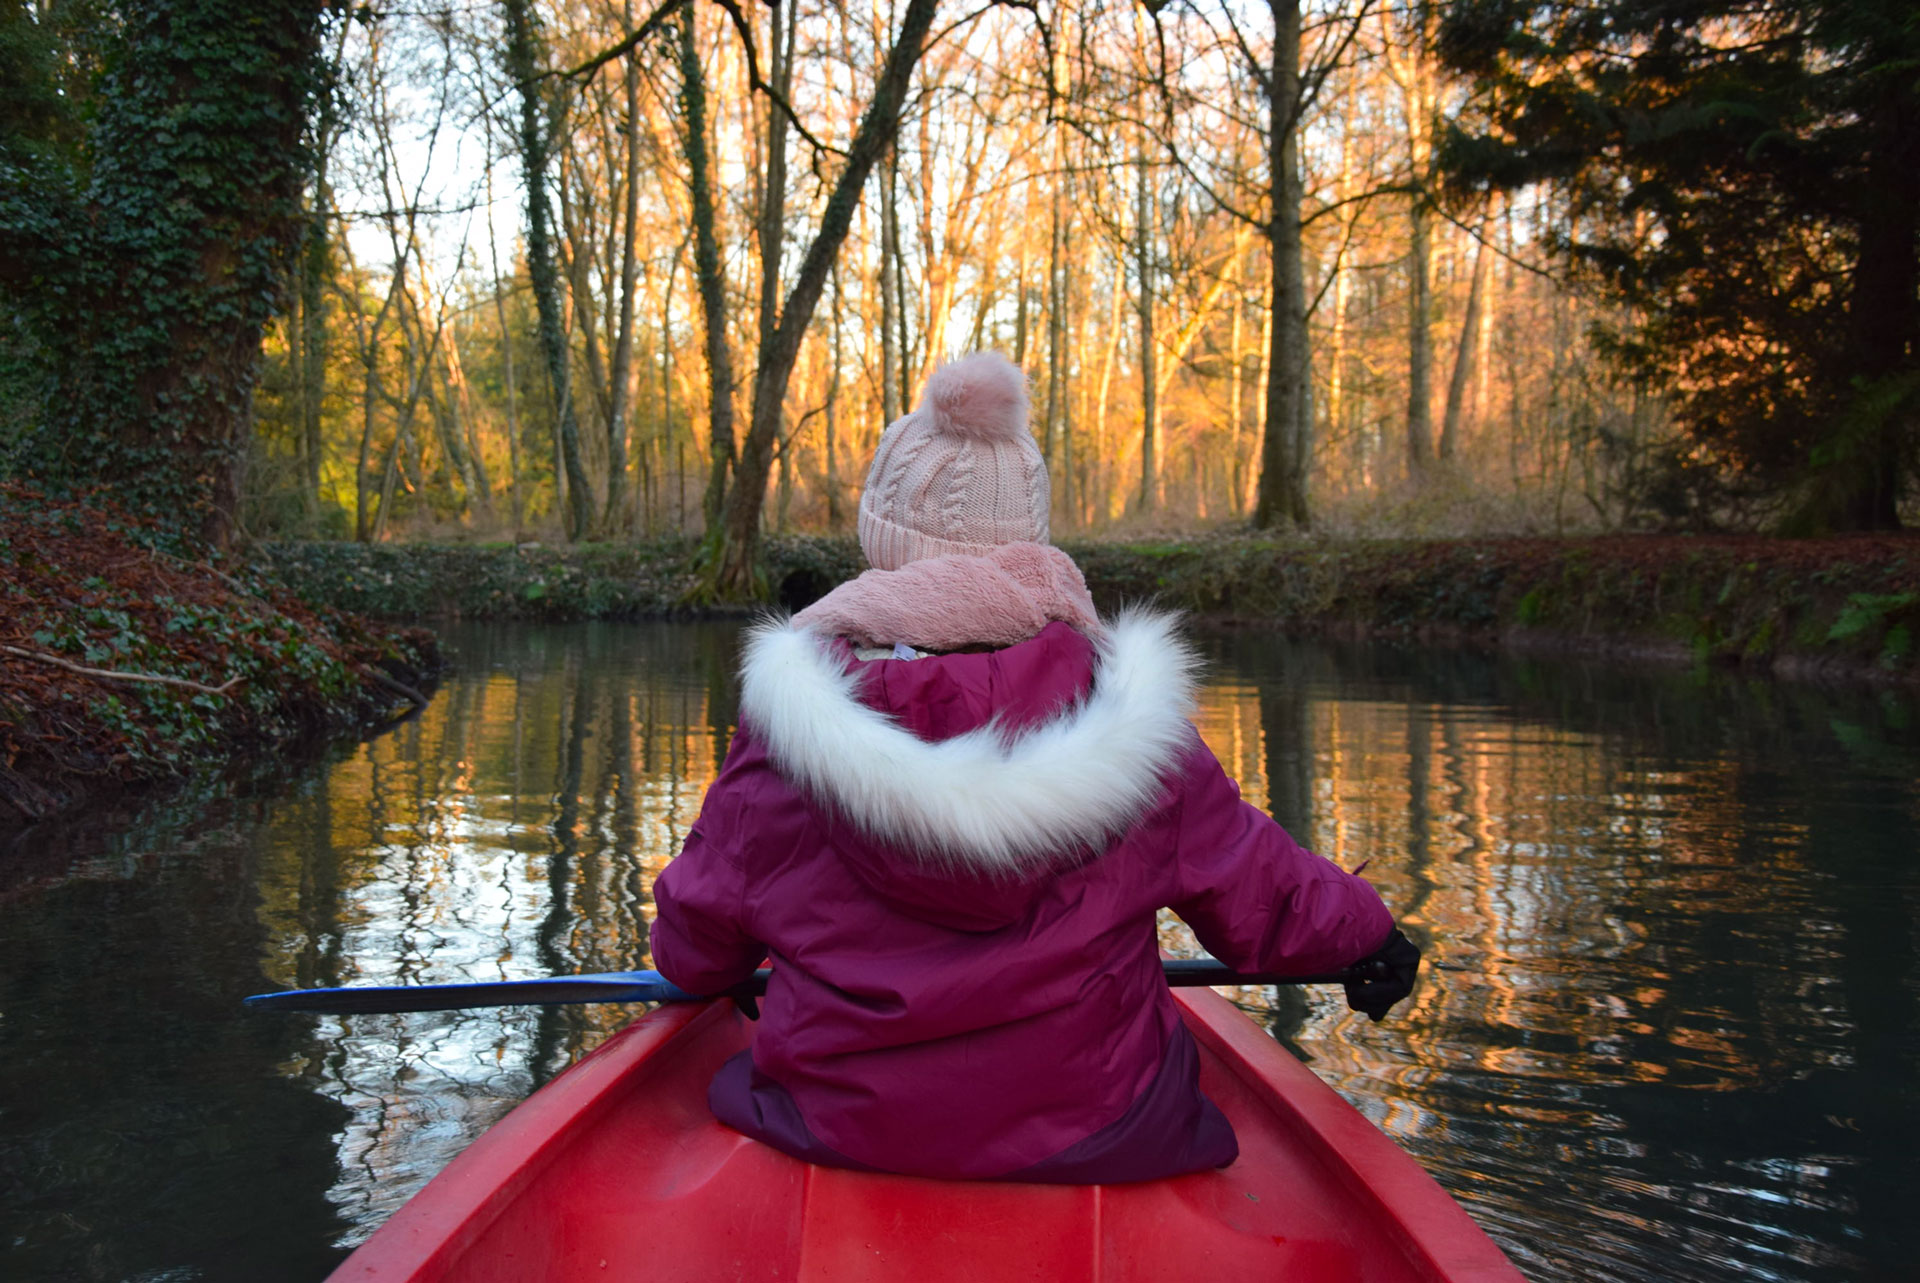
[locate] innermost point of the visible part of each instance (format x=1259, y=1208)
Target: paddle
x=650, y=986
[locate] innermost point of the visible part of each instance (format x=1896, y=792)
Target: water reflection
x=1664, y=893
x=513, y=831
x=1679, y=1041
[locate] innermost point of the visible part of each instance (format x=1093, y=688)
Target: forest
x=596, y=270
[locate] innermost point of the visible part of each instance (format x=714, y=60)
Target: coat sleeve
x=1255, y=898
x=701, y=939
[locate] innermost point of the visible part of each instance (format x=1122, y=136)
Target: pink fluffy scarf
x=945, y=603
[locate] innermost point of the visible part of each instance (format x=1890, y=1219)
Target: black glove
x=1383, y=977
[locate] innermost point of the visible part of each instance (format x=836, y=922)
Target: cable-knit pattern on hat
x=959, y=485
x=1040, y=494
x=906, y=450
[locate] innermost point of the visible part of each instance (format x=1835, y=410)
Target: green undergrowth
x=651, y=579
x=1845, y=604
x=127, y=665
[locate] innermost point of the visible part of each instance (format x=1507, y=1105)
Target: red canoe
x=617, y=1171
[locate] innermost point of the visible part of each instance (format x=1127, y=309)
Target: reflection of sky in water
x=1651, y=932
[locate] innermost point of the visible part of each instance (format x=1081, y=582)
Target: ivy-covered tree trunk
x=708, y=274
x=542, y=268
x=149, y=280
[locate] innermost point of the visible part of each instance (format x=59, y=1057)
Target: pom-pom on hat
x=961, y=474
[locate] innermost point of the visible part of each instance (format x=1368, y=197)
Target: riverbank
x=123, y=665
x=1842, y=607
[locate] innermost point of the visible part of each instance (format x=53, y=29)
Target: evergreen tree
x=1745, y=179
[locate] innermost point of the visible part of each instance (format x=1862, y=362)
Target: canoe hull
x=617, y=1170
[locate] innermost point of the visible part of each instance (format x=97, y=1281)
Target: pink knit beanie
x=961, y=473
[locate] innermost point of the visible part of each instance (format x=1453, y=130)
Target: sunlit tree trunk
x=1282, y=498
x=1144, y=206
x=1262, y=382
x=836, y=517
x=1412, y=68
x=891, y=393
x=1340, y=295
x=1452, y=426
x=1020, y=306
x=1116, y=310
x=1236, y=413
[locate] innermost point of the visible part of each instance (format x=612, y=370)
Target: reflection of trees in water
x=510, y=831
x=1689, y=940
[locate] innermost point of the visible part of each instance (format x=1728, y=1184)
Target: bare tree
x=736, y=565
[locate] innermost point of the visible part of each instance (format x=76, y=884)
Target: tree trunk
x=460, y=397
x=1463, y=355
x=1282, y=497
x=514, y=500
x=1419, y=341
x=1116, y=302
x=706, y=261
x=312, y=331
x=174, y=257
x=1262, y=382
x=1861, y=490
x=1059, y=429
x=770, y=231
x=1236, y=413
x=836, y=518
x=737, y=566
x=535, y=138
x=1342, y=288
x=1020, y=304
x=903, y=330
x=362, y=475
x=1056, y=403
x=890, y=390
x=1148, y=500
x=1419, y=101
x=623, y=379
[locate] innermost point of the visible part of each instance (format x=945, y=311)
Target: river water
x=1680, y=1039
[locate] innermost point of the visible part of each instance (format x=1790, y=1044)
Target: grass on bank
x=1848, y=603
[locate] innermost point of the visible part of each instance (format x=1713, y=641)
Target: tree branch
x=745, y=30
x=113, y=675
x=655, y=21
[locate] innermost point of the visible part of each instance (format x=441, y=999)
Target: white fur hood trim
x=984, y=801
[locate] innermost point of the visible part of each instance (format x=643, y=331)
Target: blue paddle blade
x=650, y=986
x=606, y=986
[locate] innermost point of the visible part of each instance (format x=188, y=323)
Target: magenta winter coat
x=954, y=864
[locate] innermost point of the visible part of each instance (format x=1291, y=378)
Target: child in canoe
x=956, y=799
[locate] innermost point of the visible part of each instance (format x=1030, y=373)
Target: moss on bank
x=1844, y=605
x=122, y=665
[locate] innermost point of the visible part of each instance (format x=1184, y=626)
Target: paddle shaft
x=651, y=986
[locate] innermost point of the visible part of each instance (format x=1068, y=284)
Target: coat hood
x=971, y=776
